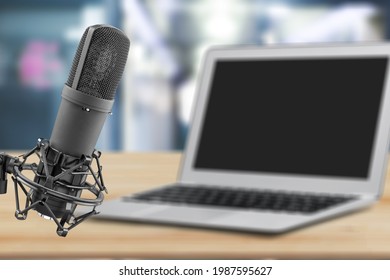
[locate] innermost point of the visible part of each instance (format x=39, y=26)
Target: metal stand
x=17, y=166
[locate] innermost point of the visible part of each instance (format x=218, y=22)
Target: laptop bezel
x=373, y=185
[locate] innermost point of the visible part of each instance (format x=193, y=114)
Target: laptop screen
x=315, y=117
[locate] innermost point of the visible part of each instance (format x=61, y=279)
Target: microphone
x=96, y=71
x=64, y=172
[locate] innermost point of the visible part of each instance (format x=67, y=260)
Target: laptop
x=281, y=137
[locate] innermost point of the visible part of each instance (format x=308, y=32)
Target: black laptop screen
x=303, y=117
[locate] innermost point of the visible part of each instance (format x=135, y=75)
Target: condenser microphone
x=65, y=168
x=88, y=95
x=87, y=99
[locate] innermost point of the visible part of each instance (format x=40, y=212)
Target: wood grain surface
x=362, y=235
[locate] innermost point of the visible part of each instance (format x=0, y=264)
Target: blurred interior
x=38, y=40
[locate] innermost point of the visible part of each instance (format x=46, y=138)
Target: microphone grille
x=102, y=57
x=76, y=59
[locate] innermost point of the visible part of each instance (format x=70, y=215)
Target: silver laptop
x=281, y=137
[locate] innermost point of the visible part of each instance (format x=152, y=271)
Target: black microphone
x=65, y=161
x=96, y=71
x=87, y=99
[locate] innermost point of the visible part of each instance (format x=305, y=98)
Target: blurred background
x=38, y=40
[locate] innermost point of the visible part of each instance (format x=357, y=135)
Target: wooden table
x=363, y=235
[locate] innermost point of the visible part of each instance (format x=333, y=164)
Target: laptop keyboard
x=248, y=199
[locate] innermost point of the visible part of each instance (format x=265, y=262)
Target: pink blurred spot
x=38, y=64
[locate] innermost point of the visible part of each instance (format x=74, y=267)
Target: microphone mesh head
x=76, y=59
x=105, y=59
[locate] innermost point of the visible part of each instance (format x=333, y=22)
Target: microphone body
x=79, y=122
x=87, y=100
x=88, y=95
